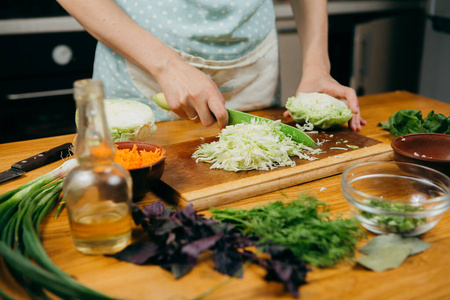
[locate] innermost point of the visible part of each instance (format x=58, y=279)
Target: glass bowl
x=396, y=197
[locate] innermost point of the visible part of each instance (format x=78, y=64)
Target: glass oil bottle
x=98, y=192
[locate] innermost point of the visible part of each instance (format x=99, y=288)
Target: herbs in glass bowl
x=396, y=222
x=396, y=197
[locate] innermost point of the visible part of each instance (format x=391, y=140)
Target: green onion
x=22, y=211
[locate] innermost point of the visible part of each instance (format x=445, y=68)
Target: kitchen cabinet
x=435, y=69
x=387, y=54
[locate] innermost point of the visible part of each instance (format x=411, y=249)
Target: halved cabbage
x=322, y=110
x=128, y=120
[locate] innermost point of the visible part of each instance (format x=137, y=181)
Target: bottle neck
x=94, y=142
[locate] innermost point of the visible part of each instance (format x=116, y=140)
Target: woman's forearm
x=312, y=24
x=110, y=25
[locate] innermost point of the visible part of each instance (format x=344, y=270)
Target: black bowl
x=144, y=177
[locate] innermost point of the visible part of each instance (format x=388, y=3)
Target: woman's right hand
x=190, y=93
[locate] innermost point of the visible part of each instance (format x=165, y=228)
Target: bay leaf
x=382, y=241
x=386, y=258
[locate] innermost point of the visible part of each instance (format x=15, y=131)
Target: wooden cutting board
x=184, y=181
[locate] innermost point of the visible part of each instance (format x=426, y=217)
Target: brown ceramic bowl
x=426, y=149
x=146, y=176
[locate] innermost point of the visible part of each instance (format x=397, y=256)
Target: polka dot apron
x=233, y=43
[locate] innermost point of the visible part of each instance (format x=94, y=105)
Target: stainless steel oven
x=42, y=52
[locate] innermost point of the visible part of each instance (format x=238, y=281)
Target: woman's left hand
x=326, y=84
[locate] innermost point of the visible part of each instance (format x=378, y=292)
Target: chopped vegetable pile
x=134, y=158
x=258, y=145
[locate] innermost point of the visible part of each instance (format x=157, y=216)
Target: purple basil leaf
x=166, y=213
x=291, y=276
x=137, y=253
x=154, y=209
x=164, y=227
x=227, y=261
x=286, y=268
x=188, y=213
x=283, y=271
x=137, y=214
x=194, y=249
x=179, y=270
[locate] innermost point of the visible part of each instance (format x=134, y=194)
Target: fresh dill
x=303, y=225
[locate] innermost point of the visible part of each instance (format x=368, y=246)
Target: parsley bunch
x=304, y=226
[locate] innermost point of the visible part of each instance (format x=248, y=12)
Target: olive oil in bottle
x=98, y=191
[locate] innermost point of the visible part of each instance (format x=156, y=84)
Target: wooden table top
x=423, y=276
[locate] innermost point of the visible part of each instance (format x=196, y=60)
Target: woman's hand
x=191, y=94
x=326, y=84
x=312, y=26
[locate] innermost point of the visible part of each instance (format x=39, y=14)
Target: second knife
x=36, y=161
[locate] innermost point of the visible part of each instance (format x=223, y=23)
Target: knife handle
x=43, y=158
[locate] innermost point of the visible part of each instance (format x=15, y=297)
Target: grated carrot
x=134, y=158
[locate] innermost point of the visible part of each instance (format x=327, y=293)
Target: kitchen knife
x=36, y=161
x=236, y=117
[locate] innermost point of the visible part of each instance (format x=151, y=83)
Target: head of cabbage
x=128, y=120
x=321, y=110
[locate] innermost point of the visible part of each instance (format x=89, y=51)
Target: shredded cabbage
x=258, y=145
x=322, y=110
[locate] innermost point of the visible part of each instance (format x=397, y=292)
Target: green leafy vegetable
x=177, y=238
x=395, y=223
x=386, y=258
x=382, y=241
x=410, y=121
x=303, y=225
x=322, y=110
x=389, y=251
x=258, y=145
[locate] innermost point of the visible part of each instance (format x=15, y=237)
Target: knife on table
x=36, y=161
x=236, y=117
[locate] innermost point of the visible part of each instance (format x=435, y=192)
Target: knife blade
x=236, y=117
x=21, y=167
